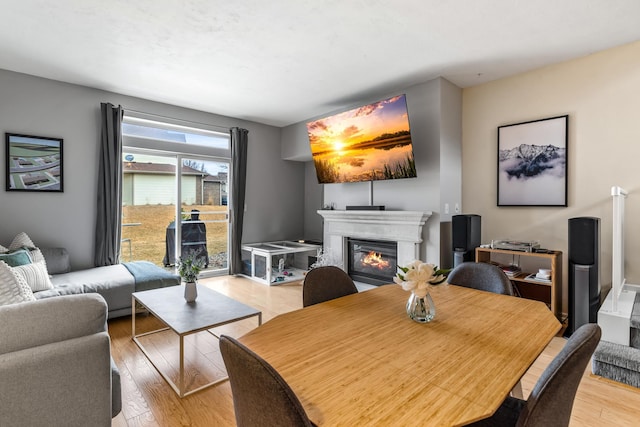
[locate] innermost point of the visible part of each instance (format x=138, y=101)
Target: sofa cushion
x=65, y=383
x=57, y=260
x=13, y=288
x=57, y=319
x=58, y=291
x=36, y=275
x=54, y=363
x=113, y=282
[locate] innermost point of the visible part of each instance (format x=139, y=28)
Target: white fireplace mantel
x=403, y=227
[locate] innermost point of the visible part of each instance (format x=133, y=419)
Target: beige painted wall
x=601, y=95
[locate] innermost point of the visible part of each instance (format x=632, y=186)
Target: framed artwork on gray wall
x=34, y=163
x=532, y=163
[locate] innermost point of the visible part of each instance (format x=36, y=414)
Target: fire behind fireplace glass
x=372, y=261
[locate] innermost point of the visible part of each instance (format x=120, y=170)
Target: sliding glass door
x=151, y=186
x=175, y=191
x=204, y=212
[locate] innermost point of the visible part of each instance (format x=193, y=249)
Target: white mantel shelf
x=403, y=227
x=407, y=225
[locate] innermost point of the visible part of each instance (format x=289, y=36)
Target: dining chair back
x=551, y=400
x=482, y=276
x=326, y=283
x=261, y=397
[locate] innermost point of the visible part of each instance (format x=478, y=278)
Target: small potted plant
x=189, y=266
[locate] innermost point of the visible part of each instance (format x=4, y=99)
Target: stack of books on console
x=511, y=270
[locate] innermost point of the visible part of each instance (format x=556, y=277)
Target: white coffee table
x=211, y=309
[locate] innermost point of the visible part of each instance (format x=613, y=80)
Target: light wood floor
x=149, y=401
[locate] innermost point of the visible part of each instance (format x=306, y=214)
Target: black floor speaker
x=584, y=272
x=465, y=236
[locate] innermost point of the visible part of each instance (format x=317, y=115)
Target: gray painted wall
x=41, y=107
x=313, y=201
x=451, y=166
x=295, y=144
x=450, y=150
x=435, y=116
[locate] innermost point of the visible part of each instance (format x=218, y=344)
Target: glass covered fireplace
x=372, y=261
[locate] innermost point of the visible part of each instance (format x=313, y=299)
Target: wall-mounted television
x=369, y=143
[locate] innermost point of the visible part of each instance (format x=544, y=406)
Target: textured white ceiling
x=283, y=61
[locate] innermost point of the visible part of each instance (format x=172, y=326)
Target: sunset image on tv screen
x=369, y=143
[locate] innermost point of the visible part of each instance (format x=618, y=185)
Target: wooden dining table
x=360, y=360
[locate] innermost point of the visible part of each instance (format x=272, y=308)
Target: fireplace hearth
x=372, y=261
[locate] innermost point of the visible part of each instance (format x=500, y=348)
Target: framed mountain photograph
x=532, y=163
x=34, y=163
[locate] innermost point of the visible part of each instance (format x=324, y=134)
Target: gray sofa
x=55, y=363
x=115, y=282
x=55, y=357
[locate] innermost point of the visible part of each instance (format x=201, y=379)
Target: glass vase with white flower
x=418, y=277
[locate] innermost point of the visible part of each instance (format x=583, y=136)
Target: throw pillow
x=13, y=288
x=36, y=255
x=36, y=275
x=22, y=241
x=16, y=258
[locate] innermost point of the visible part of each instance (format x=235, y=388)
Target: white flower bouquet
x=418, y=276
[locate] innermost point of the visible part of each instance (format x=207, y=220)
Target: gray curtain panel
x=239, y=142
x=108, y=220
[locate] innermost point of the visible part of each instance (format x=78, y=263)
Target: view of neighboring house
x=154, y=184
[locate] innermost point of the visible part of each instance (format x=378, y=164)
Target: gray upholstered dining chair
x=482, y=276
x=551, y=400
x=261, y=397
x=326, y=283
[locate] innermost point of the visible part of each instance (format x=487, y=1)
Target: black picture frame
x=532, y=163
x=34, y=163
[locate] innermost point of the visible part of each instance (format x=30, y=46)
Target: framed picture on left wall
x=34, y=163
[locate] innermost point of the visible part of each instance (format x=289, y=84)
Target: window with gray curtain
x=109, y=193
